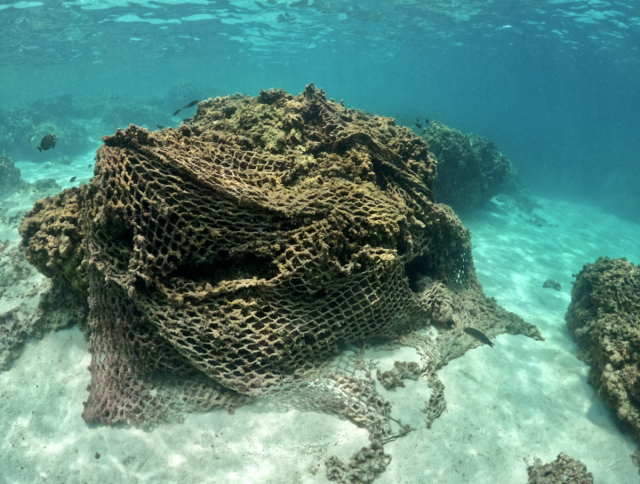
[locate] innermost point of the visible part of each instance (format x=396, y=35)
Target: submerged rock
x=551, y=284
x=563, y=470
x=9, y=176
x=226, y=258
x=604, y=317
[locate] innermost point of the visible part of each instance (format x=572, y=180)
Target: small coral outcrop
x=52, y=238
x=9, y=176
x=604, y=317
x=30, y=305
x=563, y=470
x=551, y=284
x=471, y=170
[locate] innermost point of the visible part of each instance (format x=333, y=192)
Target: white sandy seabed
x=505, y=405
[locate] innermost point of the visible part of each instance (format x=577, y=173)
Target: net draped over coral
x=235, y=254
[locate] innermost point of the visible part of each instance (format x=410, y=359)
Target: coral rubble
x=604, y=317
x=551, y=284
x=32, y=304
x=401, y=370
x=361, y=468
x=234, y=254
x=9, y=176
x=563, y=470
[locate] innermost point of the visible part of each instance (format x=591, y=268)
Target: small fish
x=48, y=142
x=192, y=103
x=81, y=312
x=426, y=121
x=89, y=166
x=479, y=335
x=285, y=18
x=159, y=126
x=177, y=112
x=73, y=178
x=418, y=125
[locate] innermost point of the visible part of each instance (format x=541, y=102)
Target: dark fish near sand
x=418, y=125
x=192, y=103
x=426, y=121
x=177, y=112
x=48, y=142
x=159, y=126
x=73, y=178
x=479, y=335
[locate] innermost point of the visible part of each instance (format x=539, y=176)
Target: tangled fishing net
x=237, y=255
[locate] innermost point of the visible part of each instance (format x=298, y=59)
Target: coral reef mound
x=471, y=170
x=604, y=316
x=55, y=237
x=248, y=246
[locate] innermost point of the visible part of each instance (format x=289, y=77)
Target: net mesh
x=237, y=255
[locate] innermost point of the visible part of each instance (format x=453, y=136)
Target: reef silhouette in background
x=471, y=170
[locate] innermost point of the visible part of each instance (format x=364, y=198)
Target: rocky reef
x=604, y=317
x=55, y=238
x=234, y=255
x=9, y=176
x=471, y=170
x=31, y=304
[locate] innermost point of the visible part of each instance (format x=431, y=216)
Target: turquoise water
x=554, y=83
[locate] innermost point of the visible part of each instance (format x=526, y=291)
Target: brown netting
x=236, y=255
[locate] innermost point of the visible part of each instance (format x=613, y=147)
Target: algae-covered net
x=238, y=254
